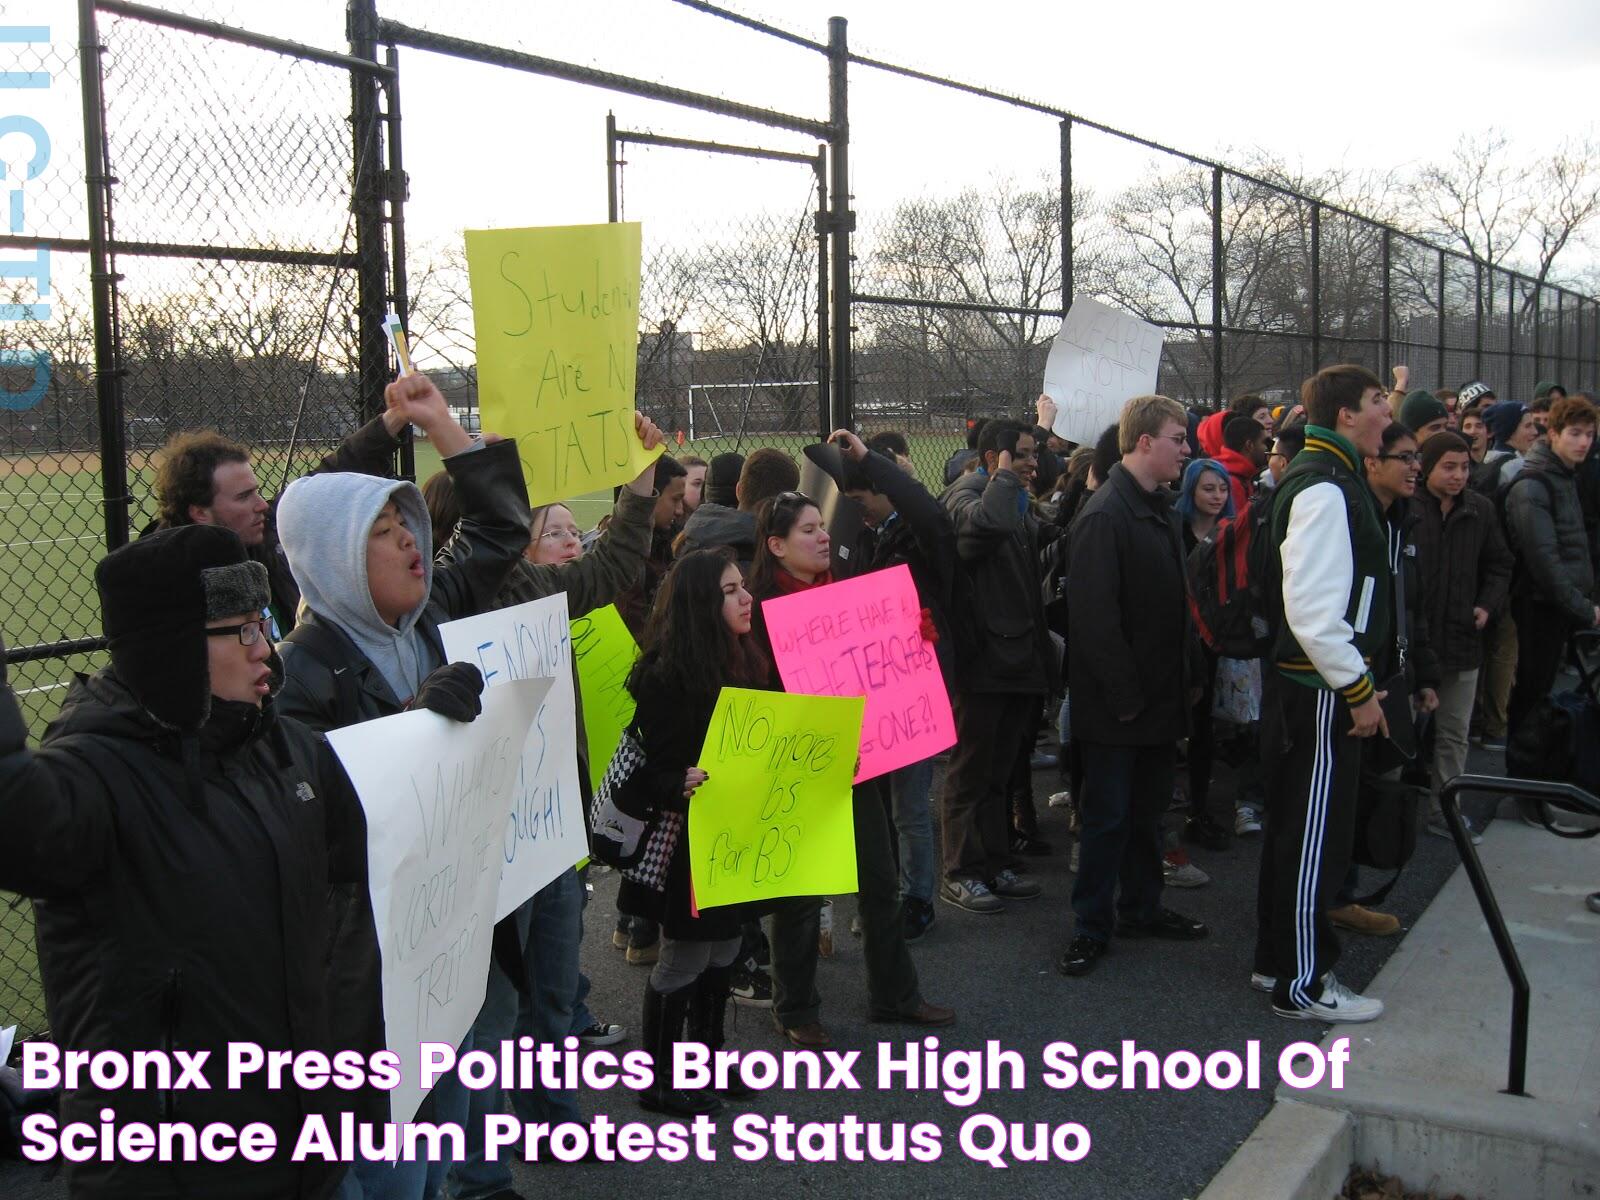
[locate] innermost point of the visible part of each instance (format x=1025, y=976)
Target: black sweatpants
x=1313, y=773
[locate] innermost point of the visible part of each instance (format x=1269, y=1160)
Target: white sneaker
x=1338, y=1006
x=1262, y=983
x=1246, y=821
x=1186, y=876
x=1060, y=799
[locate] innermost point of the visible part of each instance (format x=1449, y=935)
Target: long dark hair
x=686, y=639
x=775, y=518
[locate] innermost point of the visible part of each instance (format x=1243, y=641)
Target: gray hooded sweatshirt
x=324, y=522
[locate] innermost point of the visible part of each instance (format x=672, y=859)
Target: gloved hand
x=1006, y=443
x=455, y=690
x=929, y=631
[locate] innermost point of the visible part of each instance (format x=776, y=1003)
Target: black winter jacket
x=1465, y=564
x=1133, y=648
x=1003, y=642
x=1548, y=535
x=920, y=535
x=165, y=923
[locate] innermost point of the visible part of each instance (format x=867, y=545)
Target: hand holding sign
x=556, y=313
x=773, y=814
x=1099, y=361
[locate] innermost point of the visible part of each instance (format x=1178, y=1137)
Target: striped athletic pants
x=1313, y=771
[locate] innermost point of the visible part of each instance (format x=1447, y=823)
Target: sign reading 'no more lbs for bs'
x=775, y=816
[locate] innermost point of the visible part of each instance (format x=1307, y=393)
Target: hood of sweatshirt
x=323, y=525
x=1210, y=433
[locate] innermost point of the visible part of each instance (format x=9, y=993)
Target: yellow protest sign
x=556, y=313
x=605, y=651
x=775, y=817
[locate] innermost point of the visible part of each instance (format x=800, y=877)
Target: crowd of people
x=197, y=856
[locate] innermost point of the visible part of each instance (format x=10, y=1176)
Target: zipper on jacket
x=169, y=1026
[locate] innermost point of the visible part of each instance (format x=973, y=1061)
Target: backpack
x=1230, y=575
x=1501, y=496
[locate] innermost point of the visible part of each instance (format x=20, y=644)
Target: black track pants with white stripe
x=1313, y=772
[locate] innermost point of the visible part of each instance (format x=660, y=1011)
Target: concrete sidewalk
x=1423, y=1095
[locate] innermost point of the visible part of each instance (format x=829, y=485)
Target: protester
x=547, y=999
x=1203, y=501
x=1424, y=414
x=207, y=479
x=792, y=556
x=1002, y=675
x=892, y=444
x=179, y=840
x=1450, y=398
x=1320, y=699
x=766, y=473
x=1475, y=395
x=722, y=480
x=1554, y=591
x=694, y=482
x=1549, y=389
x=696, y=643
x=368, y=644
x=909, y=526
x=1133, y=680
x=1466, y=570
x=1477, y=435
x=1244, y=456
x=1290, y=441
x=963, y=460
x=1512, y=432
x=634, y=603
x=1248, y=405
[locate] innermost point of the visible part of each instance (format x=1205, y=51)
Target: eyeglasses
x=1410, y=457
x=248, y=633
x=1177, y=439
x=565, y=533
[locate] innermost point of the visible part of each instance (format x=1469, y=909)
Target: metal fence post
x=1537, y=313
x=824, y=342
x=1388, y=305
x=1561, y=331
x=1441, y=319
x=612, y=209
x=366, y=195
x=107, y=362
x=1477, y=319
x=841, y=220
x=1316, y=286
x=1219, y=275
x=397, y=188
x=1066, y=216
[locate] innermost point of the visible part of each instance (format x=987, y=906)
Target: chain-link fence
x=830, y=239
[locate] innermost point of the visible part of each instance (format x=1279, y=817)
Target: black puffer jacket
x=166, y=923
x=1465, y=564
x=1134, y=651
x=1548, y=535
x=1003, y=643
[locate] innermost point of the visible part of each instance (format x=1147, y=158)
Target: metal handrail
x=1449, y=804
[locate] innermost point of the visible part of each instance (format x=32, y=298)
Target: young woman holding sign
x=696, y=642
x=792, y=555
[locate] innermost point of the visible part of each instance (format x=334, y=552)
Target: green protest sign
x=605, y=651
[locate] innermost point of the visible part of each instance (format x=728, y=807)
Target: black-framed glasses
x=1177, y=439
x=1410, y=457
x=249, y=633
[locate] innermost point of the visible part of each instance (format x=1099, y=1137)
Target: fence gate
x=734, y=343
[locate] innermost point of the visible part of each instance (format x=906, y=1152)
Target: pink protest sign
x=863, y=637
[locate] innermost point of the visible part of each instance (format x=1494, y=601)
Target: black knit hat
x=156, y=596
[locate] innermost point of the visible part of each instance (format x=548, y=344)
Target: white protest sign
x=436, y=793
x=1099, y=361
x=545, y=832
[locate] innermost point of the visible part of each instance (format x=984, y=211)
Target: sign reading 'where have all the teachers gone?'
x=556, y=315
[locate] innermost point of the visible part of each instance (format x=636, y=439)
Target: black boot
x=708, y=1011
x=664, y=1013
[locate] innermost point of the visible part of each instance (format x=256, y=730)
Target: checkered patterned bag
x=663, y=840
x=617, y=838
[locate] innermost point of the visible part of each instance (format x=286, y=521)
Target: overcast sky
x=1364, y=84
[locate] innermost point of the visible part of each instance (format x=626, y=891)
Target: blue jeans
x=551, y=923
x=909, y=790
x=1125, y=791
x=582, y=1018
x=419, y=1180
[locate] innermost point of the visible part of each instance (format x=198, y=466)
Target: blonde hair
x=1147, y=414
